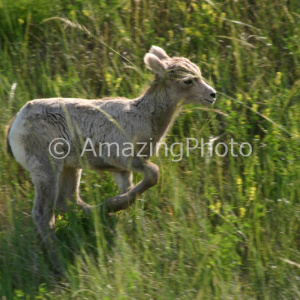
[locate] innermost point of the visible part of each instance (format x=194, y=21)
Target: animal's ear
x=159, y=52
x=154, y=64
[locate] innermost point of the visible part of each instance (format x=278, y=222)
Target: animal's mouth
x=210, y=101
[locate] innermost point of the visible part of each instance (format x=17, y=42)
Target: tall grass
x=214, y=227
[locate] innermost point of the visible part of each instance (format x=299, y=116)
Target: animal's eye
x=190, y=81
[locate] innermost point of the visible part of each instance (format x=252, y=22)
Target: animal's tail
x=9, y=151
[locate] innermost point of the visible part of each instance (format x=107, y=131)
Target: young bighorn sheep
x=145, y=119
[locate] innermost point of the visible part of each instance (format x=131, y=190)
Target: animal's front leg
x=151, y=173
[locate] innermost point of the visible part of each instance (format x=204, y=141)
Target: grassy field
x=214, y=227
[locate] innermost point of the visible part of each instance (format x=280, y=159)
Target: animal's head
x=181, y=75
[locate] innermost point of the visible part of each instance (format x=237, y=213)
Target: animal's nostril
x=213, y=95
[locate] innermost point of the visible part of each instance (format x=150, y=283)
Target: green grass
x=218, y=228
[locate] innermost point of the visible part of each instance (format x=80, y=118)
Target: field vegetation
x=213, y=227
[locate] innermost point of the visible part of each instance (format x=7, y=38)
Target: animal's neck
x=161, y=107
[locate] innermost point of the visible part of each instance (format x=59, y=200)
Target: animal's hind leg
x=46, y=192
x=69, y=189
x=123, y=180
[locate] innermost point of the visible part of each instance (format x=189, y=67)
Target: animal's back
x=43, y=120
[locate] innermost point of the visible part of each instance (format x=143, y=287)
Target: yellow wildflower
x=242, y=212
x=278, y=78
x=86, y=13
x=218, y=206
x=252, y=193
x=239, y=183
x=254, y=107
